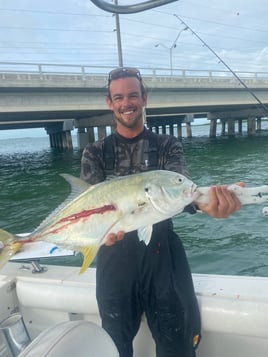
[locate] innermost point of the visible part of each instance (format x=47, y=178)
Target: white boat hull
x=234, y=309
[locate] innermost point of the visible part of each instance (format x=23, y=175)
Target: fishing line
x=264, y=107
x=138, y=7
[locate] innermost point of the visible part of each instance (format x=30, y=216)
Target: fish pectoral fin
x=145, y=234
x=89, y=254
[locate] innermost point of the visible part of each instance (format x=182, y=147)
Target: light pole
x=170, y=54
x=118, y=35
x=174, y=45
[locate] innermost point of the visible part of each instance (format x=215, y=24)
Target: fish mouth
x=194, y=193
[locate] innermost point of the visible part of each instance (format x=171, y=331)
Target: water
x=31, y=188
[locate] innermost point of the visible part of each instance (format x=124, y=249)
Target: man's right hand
x=112, y=238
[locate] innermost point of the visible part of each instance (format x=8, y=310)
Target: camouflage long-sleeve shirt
x=147, y=151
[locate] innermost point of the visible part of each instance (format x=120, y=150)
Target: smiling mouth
x=129, y=112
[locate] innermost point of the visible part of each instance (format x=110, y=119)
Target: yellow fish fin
x=8, y=246
x=89, y=254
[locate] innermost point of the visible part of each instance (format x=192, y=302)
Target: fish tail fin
x=89, y=254
x=9, y=245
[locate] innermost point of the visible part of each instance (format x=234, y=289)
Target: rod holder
x=15, y=334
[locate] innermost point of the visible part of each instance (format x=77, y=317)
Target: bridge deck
x=35, y=95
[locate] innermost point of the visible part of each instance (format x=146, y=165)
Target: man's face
x=127, y=101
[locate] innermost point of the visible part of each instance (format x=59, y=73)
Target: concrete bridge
x=57, y=97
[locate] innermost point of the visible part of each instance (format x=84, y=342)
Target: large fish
x=128, y=203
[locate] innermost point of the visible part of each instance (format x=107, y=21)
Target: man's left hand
x=222, y=202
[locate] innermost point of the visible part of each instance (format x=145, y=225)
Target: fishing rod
x=139, y=7
x=264, y=107
x=130, y=9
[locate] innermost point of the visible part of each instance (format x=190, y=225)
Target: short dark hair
x=125, y=72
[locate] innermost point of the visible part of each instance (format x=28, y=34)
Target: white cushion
x=72, y=339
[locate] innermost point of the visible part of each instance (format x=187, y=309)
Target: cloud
x=77, y=32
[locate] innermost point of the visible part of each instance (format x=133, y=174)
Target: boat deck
x=234, y=309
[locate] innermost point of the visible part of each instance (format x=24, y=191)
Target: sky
x=77, y=32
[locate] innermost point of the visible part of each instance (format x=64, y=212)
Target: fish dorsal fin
x=145, y=234
x=89, y=254
x=77, y=187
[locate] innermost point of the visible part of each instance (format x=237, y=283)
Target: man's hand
x=222, y=202
x=112, y=238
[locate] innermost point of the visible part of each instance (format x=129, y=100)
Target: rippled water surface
x=31, y=188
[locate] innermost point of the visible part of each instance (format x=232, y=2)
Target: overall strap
x=150, y=152
x=153, y=152
x=108, y=153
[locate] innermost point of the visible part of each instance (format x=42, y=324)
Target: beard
x=130, y=122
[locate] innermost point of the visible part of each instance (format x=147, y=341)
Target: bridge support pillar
x=82, y=138
x=170, y=123
x=101, y=132
x=153, y=128
x=213, y=128
x=259, y=124
x=251, y=126
x=240, y=126
x=90, y=135
x=60, y=134
x=179, y=130
x=171, y=129
x=189, y=118
x=223, y=127
x=189, y=130
x=231, y=127
x=93, y=128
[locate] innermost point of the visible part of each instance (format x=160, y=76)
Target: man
x=133, y=278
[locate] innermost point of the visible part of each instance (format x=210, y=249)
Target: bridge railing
x=44, y=69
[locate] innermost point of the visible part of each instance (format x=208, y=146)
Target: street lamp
x=118, y=36
x=174, y=45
